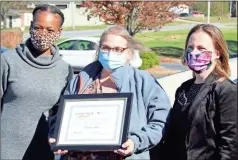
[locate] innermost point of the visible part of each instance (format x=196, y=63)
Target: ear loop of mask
x=97, y=54
x=216, y=59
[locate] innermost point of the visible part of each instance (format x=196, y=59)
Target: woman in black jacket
x=203, y=122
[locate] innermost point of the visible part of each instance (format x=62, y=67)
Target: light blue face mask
x=111, y=61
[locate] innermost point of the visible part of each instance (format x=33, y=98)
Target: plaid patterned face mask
x=43, y=40
x=198, y=61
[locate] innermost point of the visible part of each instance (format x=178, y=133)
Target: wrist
x=135, y=140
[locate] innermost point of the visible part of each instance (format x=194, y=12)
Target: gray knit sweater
x=30, y=86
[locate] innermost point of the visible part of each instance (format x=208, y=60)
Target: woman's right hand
x=52, y=140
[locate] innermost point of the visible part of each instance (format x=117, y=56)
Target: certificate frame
x=116, y=104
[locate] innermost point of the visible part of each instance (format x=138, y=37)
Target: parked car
x=172, y=82
x=198, y=14
x=3, y=49
x=81, y=51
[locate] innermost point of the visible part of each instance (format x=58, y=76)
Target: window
x=86, y=45
x=79, y=6
x=68, y=45
x=61, y=6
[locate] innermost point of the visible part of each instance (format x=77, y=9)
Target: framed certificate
x=93, y=122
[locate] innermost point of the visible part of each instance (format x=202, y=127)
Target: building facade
x=75, y=15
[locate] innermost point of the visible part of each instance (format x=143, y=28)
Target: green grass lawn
x=212, y=19
x=26, y=29
x=171, y=43
x=78, y=28
x=178, y=23
x=85, y=27
x=10, y=29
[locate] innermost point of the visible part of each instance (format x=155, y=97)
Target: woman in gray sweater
x=33, y=78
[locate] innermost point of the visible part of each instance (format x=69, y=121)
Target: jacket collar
x=211, y=79
x=208, y=81
x=28, y=53
x=203, y=92
x=120, y=76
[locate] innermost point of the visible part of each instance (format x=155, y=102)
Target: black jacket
x=210, y=130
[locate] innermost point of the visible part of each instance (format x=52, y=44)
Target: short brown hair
x=222, y=68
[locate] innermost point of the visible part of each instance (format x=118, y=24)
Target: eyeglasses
x=118, y=50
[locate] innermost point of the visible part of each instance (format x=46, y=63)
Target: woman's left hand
x=127, y=148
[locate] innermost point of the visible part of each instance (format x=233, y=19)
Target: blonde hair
x=222, y=68
x=132, y=44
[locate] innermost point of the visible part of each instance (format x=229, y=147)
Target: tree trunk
x=129, y=30
x=221, y=9
x=132, y=34
x=130, y=22
x=4, y=21
x=236, y=8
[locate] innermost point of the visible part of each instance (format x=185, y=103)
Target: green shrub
x=149, y=59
